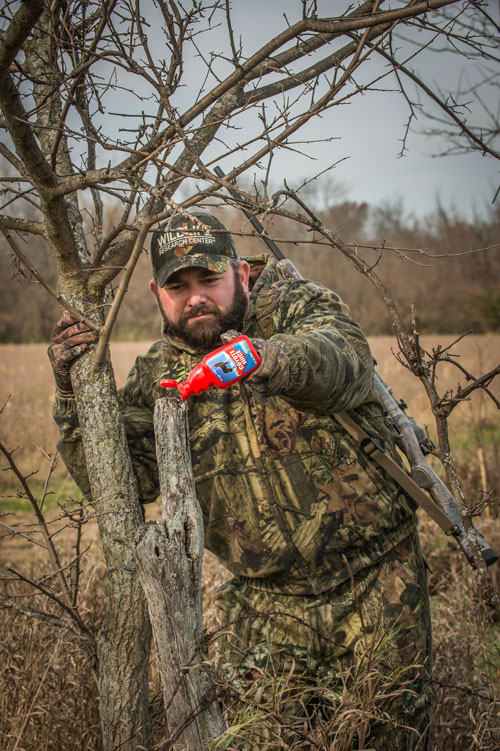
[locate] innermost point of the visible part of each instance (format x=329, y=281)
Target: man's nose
x=196, y=295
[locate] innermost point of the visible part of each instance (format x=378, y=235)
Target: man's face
x=199, y=305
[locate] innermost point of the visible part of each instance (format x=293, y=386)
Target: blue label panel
x=232, y=363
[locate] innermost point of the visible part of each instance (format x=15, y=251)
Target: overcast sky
x=367, y=132
x=370, y=130
x=370, y=141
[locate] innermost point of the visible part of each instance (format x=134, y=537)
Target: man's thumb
x=228, y=336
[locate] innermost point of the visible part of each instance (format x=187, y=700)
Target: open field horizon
x=26, y=384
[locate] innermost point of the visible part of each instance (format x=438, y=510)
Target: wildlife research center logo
x=182, y=240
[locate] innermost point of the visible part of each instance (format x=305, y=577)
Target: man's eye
x=211, y=279
x=174, y=287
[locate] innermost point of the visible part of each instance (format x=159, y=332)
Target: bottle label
x=232, y=362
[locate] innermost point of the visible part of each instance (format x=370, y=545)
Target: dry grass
x=48, y=697
x=26, y=377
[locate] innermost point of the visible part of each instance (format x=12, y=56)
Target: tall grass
x=48, y=692
x=49, y=702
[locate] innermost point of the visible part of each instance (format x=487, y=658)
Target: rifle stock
x=423, y=474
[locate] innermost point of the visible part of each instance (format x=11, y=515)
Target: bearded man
x=327, y=571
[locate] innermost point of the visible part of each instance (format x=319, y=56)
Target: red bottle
x=221, y=368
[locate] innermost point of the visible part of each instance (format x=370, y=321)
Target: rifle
x=422, y=484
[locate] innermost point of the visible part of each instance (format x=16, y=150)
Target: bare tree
x=113, y=100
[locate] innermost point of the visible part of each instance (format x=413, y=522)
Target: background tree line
x=429, y=261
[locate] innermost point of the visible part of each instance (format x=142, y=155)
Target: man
x=328, y=582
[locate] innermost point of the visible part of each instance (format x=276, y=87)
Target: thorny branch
x=228, y=97
x=448, y=402
x=67, y=599
x=477, y=140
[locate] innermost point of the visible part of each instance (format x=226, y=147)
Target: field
x=47, y=690
x=25, y=375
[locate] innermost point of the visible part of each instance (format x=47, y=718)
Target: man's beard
x=205, y=334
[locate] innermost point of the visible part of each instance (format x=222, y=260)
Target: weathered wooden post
x=170, y=557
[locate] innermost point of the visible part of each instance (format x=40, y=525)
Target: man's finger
x=272, y=376
x=63, y=355
x=64, y=322
x=76, y=333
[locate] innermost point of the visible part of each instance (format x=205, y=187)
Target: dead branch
x=449, y=402
x=477, y=141
x=122, y=289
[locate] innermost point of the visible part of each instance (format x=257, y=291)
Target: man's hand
x=70, y=340
x=271, y=377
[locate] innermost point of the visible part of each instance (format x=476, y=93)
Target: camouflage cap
x=199, y=240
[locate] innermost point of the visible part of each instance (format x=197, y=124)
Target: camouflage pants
x=347, y=669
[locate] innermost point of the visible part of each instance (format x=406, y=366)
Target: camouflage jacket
x=288, y=497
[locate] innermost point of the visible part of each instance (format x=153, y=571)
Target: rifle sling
x=376, y=452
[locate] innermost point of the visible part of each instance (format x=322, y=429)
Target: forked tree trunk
x=170, y=558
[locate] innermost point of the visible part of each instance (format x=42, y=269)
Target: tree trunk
x=170, y=557
x=125, y=638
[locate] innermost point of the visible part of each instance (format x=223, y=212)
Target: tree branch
x=334, y=26
x=447, y=109
x=18, y=224
x=79, y=73
x=105, y=332
x=450, y=402
x=13, y=38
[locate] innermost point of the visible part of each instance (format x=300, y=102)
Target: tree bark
x=170, y=557
x=124, y=641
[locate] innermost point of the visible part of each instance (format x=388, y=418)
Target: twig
x=74, y=615
x=43, y=525
x=105, y=331
x=478, y=383
x=15, y=532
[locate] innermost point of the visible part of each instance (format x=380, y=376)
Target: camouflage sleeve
x=138, y=419
x=137, y=408
x=331, y=366
x=70, y=445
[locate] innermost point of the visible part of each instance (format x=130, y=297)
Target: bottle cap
x=184, y=388
x=168, y=383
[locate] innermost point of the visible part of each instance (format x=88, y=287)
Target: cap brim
x=216, y=263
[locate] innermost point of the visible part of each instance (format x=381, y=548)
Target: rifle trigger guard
x=370, y=444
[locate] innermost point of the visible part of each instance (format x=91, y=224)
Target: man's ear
x=244, y=275
x=153, y=288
